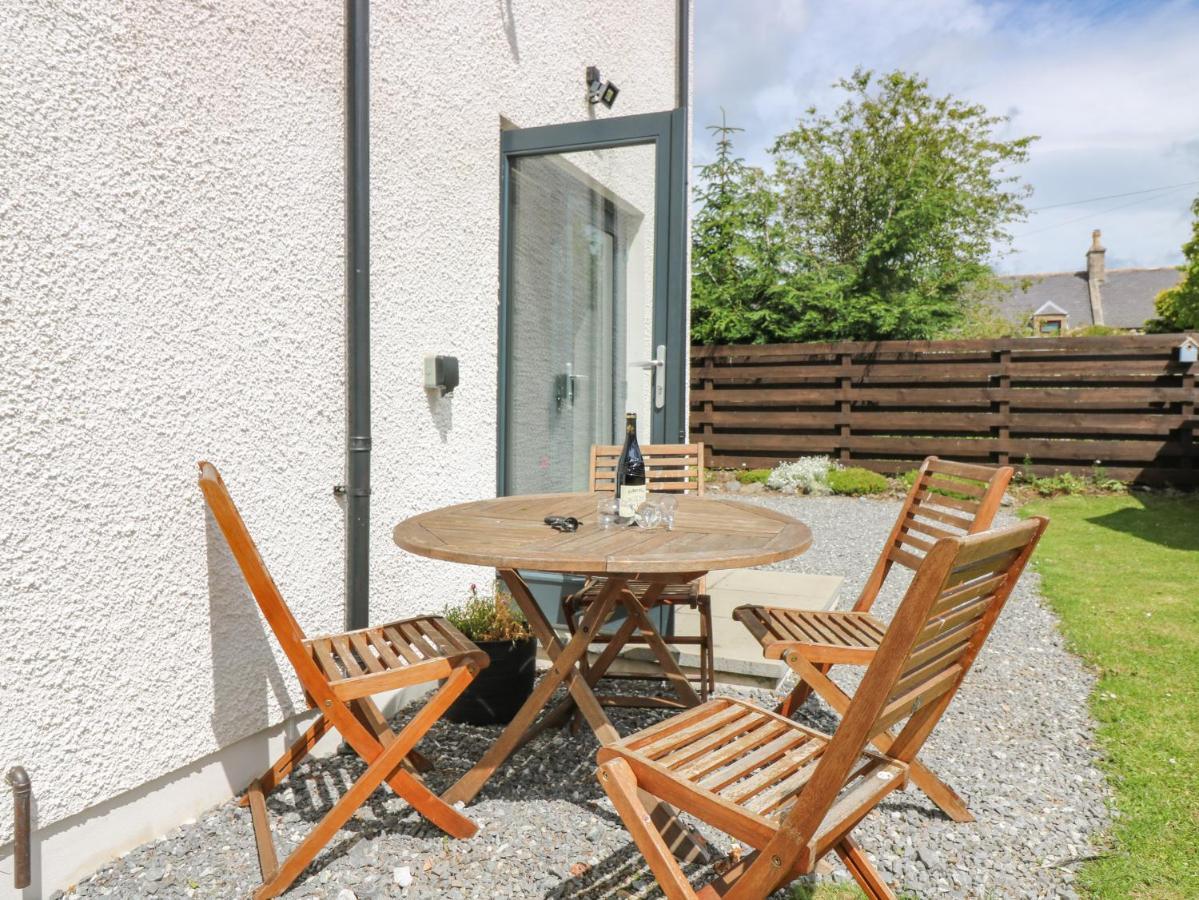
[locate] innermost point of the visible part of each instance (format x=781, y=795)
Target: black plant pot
x=499, y=690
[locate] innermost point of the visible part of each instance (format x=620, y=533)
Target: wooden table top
x=510, y=533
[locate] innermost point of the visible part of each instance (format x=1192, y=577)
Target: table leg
x=563, y=661
x=636, y=609
x=685, y=843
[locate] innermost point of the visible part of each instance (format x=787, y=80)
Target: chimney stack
x=1096, y=275
x=1096, y=270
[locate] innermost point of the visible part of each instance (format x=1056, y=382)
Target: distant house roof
x=1049, y=308
x=1120, y=298
x=1127, y=295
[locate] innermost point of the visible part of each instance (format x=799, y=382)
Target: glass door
x=592, y=315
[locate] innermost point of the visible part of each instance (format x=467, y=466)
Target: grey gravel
x=1017, y=743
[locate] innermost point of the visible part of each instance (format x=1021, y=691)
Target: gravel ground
x=1016, y=743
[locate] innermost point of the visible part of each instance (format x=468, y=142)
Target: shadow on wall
x=1145, y=522
x=510, y=28
x=441, y=411
x=244, y=668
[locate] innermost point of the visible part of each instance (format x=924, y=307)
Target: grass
x=1122, y=572
x=828, y=891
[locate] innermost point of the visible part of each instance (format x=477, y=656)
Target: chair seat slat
x=765, y=802
x=714, y=746
x=736, y=770
x=433, y=635
x=383, y=648
x=365, y=651
x=697, y=729
x=764, y=734
x=322, y=648
x=815, y=628
x=341, y=646
x=399, y=643
x=417, y=641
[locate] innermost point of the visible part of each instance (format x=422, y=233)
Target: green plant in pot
x=500, y=631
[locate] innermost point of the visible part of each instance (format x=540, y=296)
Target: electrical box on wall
x=441, y=374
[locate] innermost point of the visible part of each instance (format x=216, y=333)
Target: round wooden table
x=510, y=533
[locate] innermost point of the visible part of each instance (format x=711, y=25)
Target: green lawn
x=1122, y=572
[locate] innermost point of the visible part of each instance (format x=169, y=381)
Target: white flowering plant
x=807, y=475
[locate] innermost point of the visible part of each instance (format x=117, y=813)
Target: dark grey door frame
x=667, y=132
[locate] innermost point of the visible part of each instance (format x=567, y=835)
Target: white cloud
x=1110, y=88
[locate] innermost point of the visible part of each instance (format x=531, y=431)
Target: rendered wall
x=171, y=288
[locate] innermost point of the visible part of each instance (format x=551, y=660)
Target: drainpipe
x=682, y=75
x=682, y=82
x=358, y=295
x=18, y=780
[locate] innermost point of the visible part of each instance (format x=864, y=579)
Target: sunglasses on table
x=562, y=523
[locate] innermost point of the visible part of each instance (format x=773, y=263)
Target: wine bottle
x=630, y=471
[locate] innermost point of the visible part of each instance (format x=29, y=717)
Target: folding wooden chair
x=669, y=468
x=946, y=498
x=339, y=674
x=792, y=793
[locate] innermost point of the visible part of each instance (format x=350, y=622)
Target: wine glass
x=607, y=512
x=648, y=515
x=668, y=505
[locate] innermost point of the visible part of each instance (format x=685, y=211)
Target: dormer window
x=1049, y=321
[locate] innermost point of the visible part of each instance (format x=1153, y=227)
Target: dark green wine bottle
x=630, y=471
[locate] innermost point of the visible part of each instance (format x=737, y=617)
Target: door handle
x=566, y=386
x=657, y=366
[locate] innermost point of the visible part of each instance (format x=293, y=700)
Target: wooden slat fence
x=1064, y=403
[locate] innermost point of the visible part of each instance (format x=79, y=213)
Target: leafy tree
x=735, y=247
x=1178, y=307
x=878, y=220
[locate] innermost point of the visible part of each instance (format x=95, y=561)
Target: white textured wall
x=171, y=284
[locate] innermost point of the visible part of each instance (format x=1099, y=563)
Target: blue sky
x=1112, y=88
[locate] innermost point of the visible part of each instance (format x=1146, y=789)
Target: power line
x=1168, y=187
x=1089, y=215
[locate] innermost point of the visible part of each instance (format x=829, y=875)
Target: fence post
x=1001, y=410
x=709, y=407
x=1186, y=435
x=844, y=408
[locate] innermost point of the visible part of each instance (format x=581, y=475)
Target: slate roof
x=1127, y=295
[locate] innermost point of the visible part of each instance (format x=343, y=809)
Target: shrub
x=1064, y=483
x=483, y=618
x=808, y=475
x=753, y=476
x=856, y=481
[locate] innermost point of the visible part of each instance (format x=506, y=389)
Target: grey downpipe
x=18, y=780
x=682, y=75
x=358, y=295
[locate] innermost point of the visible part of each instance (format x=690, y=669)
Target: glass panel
x=581, y=282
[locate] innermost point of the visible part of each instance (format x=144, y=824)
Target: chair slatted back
x=675, y=468
x=949, y=609
x=266, y=593
x=947, y=499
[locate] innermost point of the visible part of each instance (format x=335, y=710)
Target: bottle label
x=631, y=496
